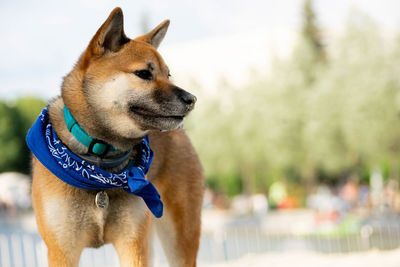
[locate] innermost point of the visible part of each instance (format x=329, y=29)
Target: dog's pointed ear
x=110, y=36
x=156, y=35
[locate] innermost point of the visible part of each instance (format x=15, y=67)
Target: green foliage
x=311, y=119
x=15, y=120
x=29, y=109
x=10, y=138
x=310, y=30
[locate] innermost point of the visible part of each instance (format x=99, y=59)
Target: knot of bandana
x=44, y=143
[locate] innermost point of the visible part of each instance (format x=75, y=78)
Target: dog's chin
x=170, y=125
x=163, y=124
x=149, y=120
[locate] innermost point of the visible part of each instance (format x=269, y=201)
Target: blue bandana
x=52, y=153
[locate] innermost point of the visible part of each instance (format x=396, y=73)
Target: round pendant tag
x=102, y=200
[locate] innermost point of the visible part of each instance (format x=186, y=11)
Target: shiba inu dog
x=119, y=92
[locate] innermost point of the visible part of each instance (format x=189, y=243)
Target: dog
x=119, y=92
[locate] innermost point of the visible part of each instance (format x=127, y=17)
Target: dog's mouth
x=152, y=114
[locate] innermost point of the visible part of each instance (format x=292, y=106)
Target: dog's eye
x=144, y=74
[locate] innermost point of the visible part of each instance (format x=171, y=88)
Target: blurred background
x=297, y=122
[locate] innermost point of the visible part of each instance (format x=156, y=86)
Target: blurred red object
x=288, y=203
x=350, y=192
x=328, y=216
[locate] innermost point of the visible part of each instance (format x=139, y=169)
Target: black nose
x=188, y=98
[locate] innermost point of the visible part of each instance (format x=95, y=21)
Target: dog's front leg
x=132, y=245
x=57, y=217
x=60, y=258
x=134, y=253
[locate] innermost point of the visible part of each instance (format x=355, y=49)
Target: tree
x=10, y=139
x=15, y=120
x=310, y=30
x=311, y=119
x=28, y=109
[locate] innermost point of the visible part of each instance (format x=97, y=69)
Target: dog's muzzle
x=188, y=99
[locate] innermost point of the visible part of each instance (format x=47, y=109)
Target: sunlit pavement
x=308, y=259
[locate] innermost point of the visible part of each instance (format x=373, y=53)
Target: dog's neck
x=56, y=115
x=57, y=120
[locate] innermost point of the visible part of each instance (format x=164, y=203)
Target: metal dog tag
x=102, y=200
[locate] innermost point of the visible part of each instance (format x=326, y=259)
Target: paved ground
x=309, y=259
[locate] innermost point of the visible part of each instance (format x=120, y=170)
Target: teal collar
x=94, y=146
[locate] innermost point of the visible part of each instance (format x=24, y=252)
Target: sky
x=207, y=40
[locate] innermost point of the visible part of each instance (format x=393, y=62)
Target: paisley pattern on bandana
x=52, y=153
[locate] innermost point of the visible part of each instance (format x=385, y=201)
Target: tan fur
x=99, y=92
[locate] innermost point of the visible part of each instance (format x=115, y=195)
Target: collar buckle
x=98, y=147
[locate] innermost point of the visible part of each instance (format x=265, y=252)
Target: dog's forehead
x=140, y=52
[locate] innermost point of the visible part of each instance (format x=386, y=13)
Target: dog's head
x=125, y=82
